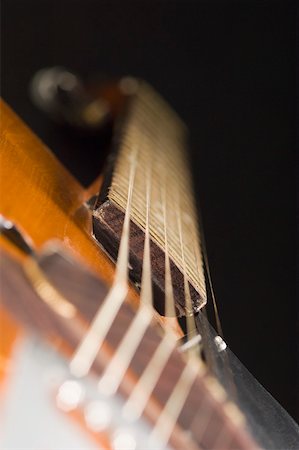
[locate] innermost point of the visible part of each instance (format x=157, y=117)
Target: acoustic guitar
x=105, y=340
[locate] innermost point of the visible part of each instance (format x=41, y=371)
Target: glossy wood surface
x=42, y=198
x=46, y=202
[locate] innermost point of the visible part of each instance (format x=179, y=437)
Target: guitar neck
x=151, y=134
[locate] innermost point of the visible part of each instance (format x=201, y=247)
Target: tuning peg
x=61, y=94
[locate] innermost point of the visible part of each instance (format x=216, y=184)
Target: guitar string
x=172, y=408
x=169, y=293
x=191, y=327
x=230, y=385
x=186, y=285
x=149, y=378
x=169, y=297
x=184, y=379
x=121, y=360
x=168, y=282
x=146, y=294
x=173, y=403
x=210, y=353
x=215, y=306
x=190, y=320
x=143, y=389
x=87, y=350
x=148, y=113
x=209, y=348
x=204, y=412
x=109, y=383
x=167, y=419
x=206, y=340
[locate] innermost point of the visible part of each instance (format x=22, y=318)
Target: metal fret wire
x=163, y=136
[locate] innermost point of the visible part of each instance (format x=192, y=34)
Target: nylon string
x=119, y=364
x=86, y=352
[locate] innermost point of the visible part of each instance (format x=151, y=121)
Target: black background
x=229, y=69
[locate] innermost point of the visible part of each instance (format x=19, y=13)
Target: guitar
x=103, y=298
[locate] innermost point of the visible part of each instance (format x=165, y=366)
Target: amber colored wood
x=41, y=196
x=44, y=200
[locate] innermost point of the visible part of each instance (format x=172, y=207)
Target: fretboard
x=152, y=136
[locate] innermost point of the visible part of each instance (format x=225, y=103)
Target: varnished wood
x=40, y=195
x=45, y=201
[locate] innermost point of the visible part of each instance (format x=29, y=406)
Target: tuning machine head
x=62, y=95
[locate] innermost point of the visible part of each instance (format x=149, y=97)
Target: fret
x=161, y=138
